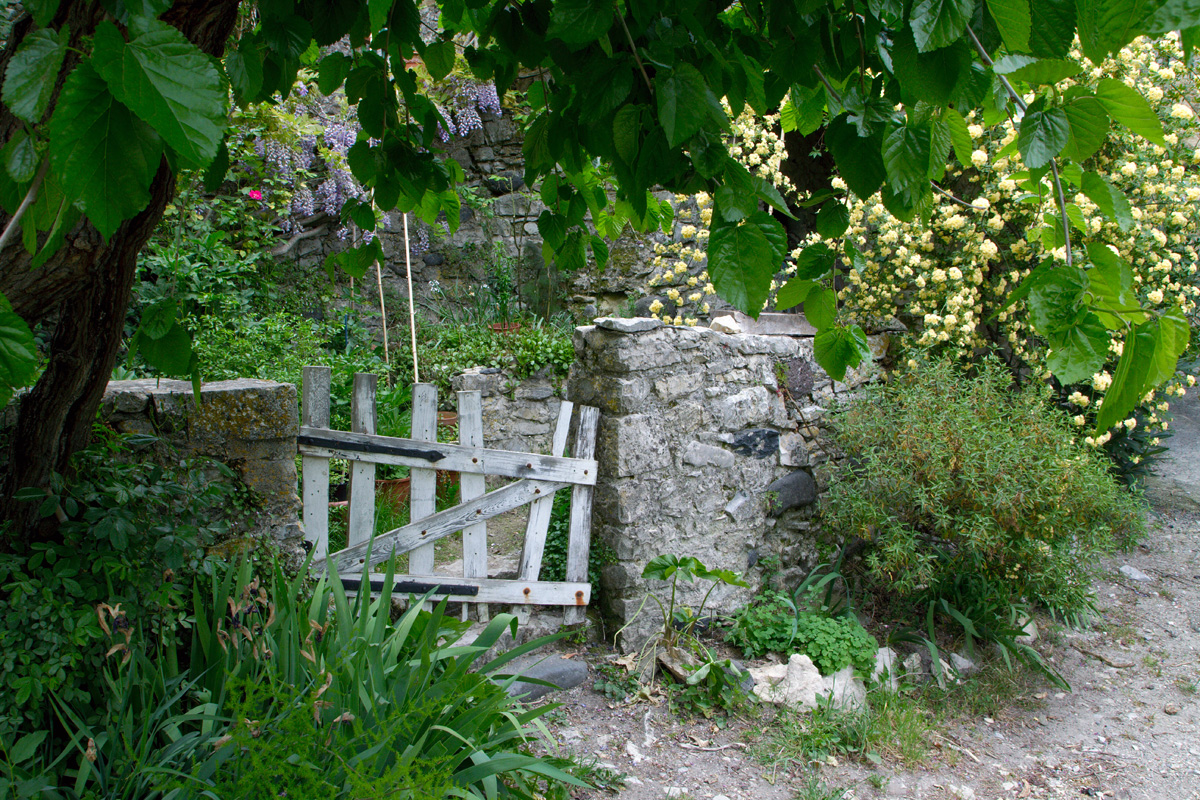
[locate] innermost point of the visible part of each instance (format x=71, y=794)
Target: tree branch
x=30, y=197
x=290, y=244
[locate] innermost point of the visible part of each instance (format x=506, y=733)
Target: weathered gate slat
x=488, y=590
x=580, y=537
x=315, y=467
x=471, y=486
x=435, y=526
x=424, y=481
x=455, y=457
x=539, y=510
x=360, y=525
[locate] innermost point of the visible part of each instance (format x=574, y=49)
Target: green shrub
x=953, y=473
x=134, y=533
x=773, y=625
x=558, y=535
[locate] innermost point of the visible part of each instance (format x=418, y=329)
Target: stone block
x=635, y=325
x=744, y=409
x=671, y=387
x=756, y=443
x=775, y=324
x=793, y=450
x=793, y=490
x=633, y=445
x=705, y=455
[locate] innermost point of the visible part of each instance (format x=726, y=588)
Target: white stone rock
x=914, y=668
x=635, y=755
x=804, y=682
x=1029, y=632
x=1134, y=574
x=634, y=325
x=674, y=791
x=887, y=669
x=726, y=324
x=962, y=665
x=962, y=792
x=846, y=691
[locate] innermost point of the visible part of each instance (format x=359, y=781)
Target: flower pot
x=447, y=419
x=505, y=327
x=395, y=491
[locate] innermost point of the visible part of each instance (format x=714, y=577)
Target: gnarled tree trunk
x=84, y=290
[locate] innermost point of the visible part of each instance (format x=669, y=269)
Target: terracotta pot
x=393, y=490
x=447, y=419
x=505, y=327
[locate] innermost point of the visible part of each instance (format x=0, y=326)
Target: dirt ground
x=1128, y=729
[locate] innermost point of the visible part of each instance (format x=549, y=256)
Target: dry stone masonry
x=707, y=447
x=251, y=425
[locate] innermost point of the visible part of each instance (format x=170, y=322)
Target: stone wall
x=251, y=425
x=707, y=447
x=517, y=415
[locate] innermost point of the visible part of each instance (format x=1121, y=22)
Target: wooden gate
x=538, y=478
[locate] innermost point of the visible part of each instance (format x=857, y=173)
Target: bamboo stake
x=387, y=355
x=412, y=314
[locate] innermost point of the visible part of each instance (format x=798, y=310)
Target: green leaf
x=626, y=127
x=169, y=83
x=685, y=103
x=820, y=307
x=743, y=257
x=937, y=23
x=170, y=354
x=932, y=76
x=1013, y=20
x=244, y=66
x=858, y=159
x=33, y=72
x=159, y=318
x=1056, y=302
x=18, y=353
x=20, y=157
x=599, y=251
x=214, y=173
x=103, y=154
x=960, y=137
x=1105, y=26
x=1172, y=15
x=815, y=262
x=1109, y=199
x=355, y=261
x=1089, y=128
x=580, y=21
x=809, y=104
x=1110, y=282
x=1150, y=356
x=332, y=72
x=906, y=151
x=1046, y=71
x=832, y=219
x=793, y=293
x=1052, y=28
x=42, y=10
x=1078, y=352
x=840, y=347
x=26, y=746
x=1130, y=109
x=1043, y=134
x=552, y=228
x=439, y=59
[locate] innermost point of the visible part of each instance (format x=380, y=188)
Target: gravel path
x=1128, y=730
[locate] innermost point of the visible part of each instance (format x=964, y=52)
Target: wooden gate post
x=361, y=519
x=423, y=502
x=580, y=541
x=315, y=469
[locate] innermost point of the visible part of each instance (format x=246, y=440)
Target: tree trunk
x=83, y=292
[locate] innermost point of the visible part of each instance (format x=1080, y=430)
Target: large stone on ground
x=564, y=673
x=799, y=684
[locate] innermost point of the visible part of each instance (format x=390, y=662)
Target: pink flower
x=255, y=194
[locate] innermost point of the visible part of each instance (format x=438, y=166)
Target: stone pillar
x=251, y=425
x=706, y=447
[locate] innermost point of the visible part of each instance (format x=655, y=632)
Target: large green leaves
x=686, y=103
x=937, y=23
x=743, y=257
x=840, y=346
x=906, y=154
x=1013, y=20
x=103, y=154
x=1042, y=135
x=1130, y=109
x=32, y=72
x=1078, y=352
x=1089, y=128
x=1149, y=357
x=858, y=159
x=18, y=354
x=1109, y=199
x=580, y=21
x=1105, y=26
x=169, y=83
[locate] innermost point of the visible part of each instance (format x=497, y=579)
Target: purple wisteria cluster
x=467, y=99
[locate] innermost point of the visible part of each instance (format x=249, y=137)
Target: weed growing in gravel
x=816, y=789
x=894, y=727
